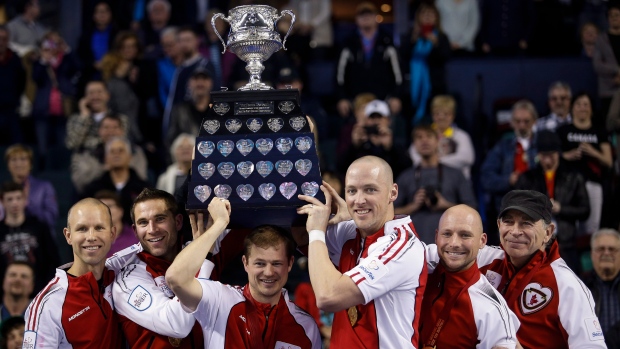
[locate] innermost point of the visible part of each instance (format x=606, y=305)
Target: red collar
x=457, y=279
x=154, y=265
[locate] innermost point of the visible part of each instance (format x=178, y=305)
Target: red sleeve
x=305, y=299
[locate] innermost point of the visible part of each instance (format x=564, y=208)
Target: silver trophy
x=253, y=38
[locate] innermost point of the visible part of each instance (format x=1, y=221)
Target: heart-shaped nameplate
x=222, y=191
x=310, y=188
x=206, y=170
x=288, y=189
x=245, y=191
x=266, y=190
x=202, y=192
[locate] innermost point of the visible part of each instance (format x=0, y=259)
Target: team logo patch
x=284, y=345
x=535, y=297
x=140, y=298
x=372, y=269
x=595, y=333
x=160, y=281
x=494, y=278
x=30, y=340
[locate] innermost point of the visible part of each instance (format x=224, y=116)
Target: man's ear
x=393, y=192
x=483, y=240
x=178, y=219
x=245, y=263
x=67, y=233
x=290, y=263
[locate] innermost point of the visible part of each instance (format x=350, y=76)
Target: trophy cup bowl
x=253, y=37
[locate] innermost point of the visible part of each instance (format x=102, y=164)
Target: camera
x=371, y=130
x=430, y=194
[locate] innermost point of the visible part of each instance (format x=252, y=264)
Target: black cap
x=534, y=204
x=547, y=141
x=201, y=71
x=287, y=75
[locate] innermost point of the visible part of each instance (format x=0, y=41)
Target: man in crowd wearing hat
x=552, y=304
x=368, y=63
x=372, y=135
x=186, y=116
x=567, y=192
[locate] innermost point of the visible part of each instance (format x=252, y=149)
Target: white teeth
x=156, y=240
x=92, y=248
x=268, y=281
x=363, y=211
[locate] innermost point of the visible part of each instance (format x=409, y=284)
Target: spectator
x=12, y=86
x=25, y=31
x=460, y=20
x=167, y=64
x=424, y=55
x=460, y=308
x=24, y=238
x=125, y=235
x=605, y=59
x=373, y=136
x=95, y=42
x=83, y=127
x=87, y=166
x=17, y=287
x=158, y=18
x=314, y=20
x=567, y=192
x=559, y=104
x=40, y=194
x=359, y=112
x=512, y=155
x=130, y=80
x=55, y=73
x=211, y=47
x=181, y=151
x=192, y=59
x=429, y=188
x=588, y=34
x=587, y=149
x=506, y=26
x=605, y=283
x=186, y=116
x=12, y=331
x=119, y=177
x=455, y=147
x=368, y=63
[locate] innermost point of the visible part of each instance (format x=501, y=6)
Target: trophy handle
x=290, y=13
x=215, y=17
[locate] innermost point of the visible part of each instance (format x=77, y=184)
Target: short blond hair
x=18, y=149
x=444, y=102
x=362, y=99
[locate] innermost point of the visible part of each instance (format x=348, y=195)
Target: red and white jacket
x=150, y=314
x=390, y=270
x=479, y=318
x=231, y=319
x=555, y=308
x=73, y=312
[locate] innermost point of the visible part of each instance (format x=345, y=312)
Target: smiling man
x=150, y=315
x=460, y=307
x=75, y=309
x=258, y=315
x=554, y=307
x=380, y=273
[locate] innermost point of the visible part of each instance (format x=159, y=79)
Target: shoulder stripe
x=394, y=242
x=403, y=238
x=36, y=303
x=360, y=281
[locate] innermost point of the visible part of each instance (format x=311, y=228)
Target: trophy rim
x=252, y=6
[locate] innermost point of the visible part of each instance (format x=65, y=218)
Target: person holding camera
x=430, y=188
x=373, y=135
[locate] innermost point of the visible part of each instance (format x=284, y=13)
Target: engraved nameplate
x=253, y=108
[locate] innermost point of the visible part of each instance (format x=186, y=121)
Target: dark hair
x=613, y=5
x=21, y=6
x=266, y=236
x=115, y=117
x=10, y=186
x=10, y=324
x=97, y=81
x=424, y=128
x=124, y=35
x=187, y=28
x=149, y=194
x=24, y=263
x=110, y=195
x=16, y=149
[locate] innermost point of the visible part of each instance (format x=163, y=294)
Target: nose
x=91, y=235
x=359, y=198
x=454, y=241
x=268, y=270
x=150, y=227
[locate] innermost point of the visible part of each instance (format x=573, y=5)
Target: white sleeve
x=394, y=262
x=488, y=254
x=579, y=322
x=432, y=257
x=207, y=310
x=497, y=325
x=464, y=156
x=138, y=297
x=336, y=236
x=206, y=269
x=43, y=329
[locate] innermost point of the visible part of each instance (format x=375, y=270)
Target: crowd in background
x=120, y=111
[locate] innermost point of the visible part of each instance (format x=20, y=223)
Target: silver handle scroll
x=290, y=13
x=227, y=19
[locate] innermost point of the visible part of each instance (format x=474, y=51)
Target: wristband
x=316, y=235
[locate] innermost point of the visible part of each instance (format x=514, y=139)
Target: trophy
x=255, y=146
x=253, y=38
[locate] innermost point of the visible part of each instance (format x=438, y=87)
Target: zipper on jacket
x=150, y=344
x=98, y=301
x=267, y=322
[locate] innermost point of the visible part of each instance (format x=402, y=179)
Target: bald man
x=75, y=309
x=379, y=261
x=461, y=309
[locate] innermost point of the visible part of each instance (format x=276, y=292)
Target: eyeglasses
x=602, y=249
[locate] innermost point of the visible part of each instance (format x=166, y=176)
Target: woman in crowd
x=587, y=149
x=41, y=195
x=181, y=151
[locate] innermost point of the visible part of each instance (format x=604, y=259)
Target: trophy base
x=255, y=86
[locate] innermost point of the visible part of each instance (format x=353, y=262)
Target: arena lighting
x=379, y=19
x=386, y=8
